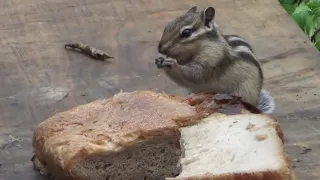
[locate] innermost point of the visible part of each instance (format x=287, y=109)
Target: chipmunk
x=201, y=59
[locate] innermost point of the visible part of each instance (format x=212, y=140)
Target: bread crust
x=283, y=174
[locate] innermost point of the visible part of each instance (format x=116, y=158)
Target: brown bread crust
x=283, y=174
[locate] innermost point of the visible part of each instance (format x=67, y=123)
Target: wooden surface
x=39, y=77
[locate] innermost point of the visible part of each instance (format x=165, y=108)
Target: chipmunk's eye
x=186, y=33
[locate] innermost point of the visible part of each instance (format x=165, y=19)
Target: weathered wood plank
x=39, y=77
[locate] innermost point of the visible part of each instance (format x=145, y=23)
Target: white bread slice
x=238, y=147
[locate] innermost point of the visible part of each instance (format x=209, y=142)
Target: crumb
x=261, y=137
x=305, y=149
x=296, y=160
x=235, y=122
x=249, y=126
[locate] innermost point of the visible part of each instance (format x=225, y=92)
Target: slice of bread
x=129, y=136
x=238, y=147
x=134, y=135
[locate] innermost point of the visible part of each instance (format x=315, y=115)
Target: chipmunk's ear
x=192, y=10
x=208, y=15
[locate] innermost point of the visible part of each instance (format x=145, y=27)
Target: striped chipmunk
x=201, y=59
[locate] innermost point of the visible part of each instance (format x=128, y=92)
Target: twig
x=89, y=50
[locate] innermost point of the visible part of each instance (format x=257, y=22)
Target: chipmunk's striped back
x=241, y=46
x=245, y=50
x=238, y=44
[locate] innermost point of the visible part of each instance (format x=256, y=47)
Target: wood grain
x=40, y=78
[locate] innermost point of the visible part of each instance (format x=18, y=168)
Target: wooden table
x=40, y=78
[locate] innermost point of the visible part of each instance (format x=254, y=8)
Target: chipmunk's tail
x=266, y=102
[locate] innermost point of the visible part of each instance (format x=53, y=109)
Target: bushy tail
x=266, y=102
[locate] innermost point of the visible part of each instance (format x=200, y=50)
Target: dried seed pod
x=89, y=50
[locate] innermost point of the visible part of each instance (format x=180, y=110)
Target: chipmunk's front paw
x=159, y=61
x=165, y=63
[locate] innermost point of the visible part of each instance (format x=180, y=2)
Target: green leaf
x=288, y=5
x=317, y=37
x=313, y=4
x=309, y=26
x=289, y=8
x=304, y=18
x=287, y=1
x=298, y=2
x=316, y=18
x=306, y=13
x=317, y=44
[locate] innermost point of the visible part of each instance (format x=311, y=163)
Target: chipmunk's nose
x=162, y=49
